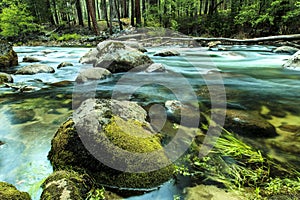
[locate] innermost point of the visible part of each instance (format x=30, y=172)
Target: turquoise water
x=252, y=76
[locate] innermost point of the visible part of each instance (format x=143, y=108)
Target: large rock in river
x=286, y=49
x=90, y=74
x=35, y=68
x=293, y=62
x=116, y=56
x=10, y=192
x=111, y=133
x=5, y=78
x=8, y=56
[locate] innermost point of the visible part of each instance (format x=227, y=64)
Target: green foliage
x=15, y=20
x=282, y=186
x=96, y=194
x=65, y=37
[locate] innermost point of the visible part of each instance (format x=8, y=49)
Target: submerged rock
x=10, y=192
x=293, y=62
x=204, y=192
x=30, y=59
x=21, y=115
x=8, y=57
x=116, y=56
x=35, y=68
x=97, y=73
x=167, y=52
x=64, y=64
x=5, y=78
x=100, y=124
x=286, y=49
x=63, y=185
x=248, y=123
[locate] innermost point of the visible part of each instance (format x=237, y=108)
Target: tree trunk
x=138, y=13
x=79, y=13
x=132, y=13
x=91, y=10
x=125, y=9
x=144, y=12
x=206, y=7
x=104, y=10
x=55, y=11
x=49, y=14
x=118, y=14
x=110, y=17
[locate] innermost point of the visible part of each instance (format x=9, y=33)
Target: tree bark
x=132, y=13
x=138, y=13
x=118, y=14
x=79, y=13
x=91, y=10
x=110, y=17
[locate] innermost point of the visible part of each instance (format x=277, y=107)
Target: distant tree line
x=227, y=18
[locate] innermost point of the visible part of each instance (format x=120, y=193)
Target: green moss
x=9, y=192
x=131, y=136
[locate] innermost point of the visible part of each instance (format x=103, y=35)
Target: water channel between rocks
x=252, y=76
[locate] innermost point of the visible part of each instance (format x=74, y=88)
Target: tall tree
x=138, y=13
x=92, y=13
x=79, y=13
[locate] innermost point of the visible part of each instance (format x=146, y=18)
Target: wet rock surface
x=35, y=68
x=167, y=52
x=116, y=56
x=90, y=74
x=123, y=124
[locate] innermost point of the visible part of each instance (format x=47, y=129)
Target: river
x=252, y=76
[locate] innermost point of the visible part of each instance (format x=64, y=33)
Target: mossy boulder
x=109, y=130
x=10, y=192
x=116, y=56
x=63, y=185
x=8, y=57
x=5, y=78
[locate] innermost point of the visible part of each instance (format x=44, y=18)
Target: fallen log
x=285, y=38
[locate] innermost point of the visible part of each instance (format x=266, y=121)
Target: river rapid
x=251, y=75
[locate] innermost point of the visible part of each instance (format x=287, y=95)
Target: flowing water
x=252, y=77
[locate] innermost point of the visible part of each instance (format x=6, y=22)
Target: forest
x=208, y=18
